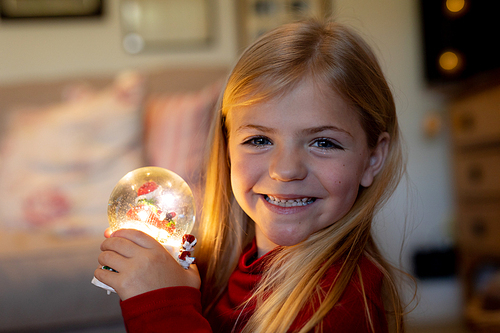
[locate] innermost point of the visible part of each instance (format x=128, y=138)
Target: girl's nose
x=288, y=165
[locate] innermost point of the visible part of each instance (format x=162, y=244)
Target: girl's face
x=297, y=163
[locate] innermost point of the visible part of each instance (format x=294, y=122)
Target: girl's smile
x=287, y=206
x=289, y=202
x=297, y=163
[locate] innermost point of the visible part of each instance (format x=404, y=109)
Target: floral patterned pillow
x=61, y=162
x=176, y=129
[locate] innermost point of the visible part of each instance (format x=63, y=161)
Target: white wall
x=60, y=48
x=41, y=50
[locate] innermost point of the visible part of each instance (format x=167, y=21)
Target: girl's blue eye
x=258, y=141
x=326, y=144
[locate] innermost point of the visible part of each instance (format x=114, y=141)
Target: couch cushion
x=176, y=131
x=60, y=162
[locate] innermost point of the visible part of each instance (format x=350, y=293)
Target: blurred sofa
x=63, y=146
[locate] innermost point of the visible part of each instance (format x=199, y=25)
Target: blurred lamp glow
x=455, y=6
x=449, y=61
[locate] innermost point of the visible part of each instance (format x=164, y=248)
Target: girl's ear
x=377, y=159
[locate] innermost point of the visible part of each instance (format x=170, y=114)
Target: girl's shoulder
x=362, y=295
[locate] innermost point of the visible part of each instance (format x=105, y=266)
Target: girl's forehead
x=266, y=91
x=309, y=90
x=307, y=104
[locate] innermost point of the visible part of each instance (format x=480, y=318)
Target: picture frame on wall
x=256, y=17
x=156, y=25
x=49, y=9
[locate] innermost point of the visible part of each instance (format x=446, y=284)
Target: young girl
x=305, y=148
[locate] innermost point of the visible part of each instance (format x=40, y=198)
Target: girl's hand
x=142, y=263
x=107, y=232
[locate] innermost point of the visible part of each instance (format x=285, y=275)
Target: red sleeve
x=177, y=309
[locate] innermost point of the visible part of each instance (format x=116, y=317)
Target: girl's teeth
x=289, y=203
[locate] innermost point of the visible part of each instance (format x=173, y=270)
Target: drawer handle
x=475, y=173
x=478, y=228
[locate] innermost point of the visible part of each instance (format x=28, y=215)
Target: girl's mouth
x=289, y=203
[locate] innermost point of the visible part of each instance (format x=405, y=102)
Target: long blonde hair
x=336, y=58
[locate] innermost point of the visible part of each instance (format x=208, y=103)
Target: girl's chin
x=277, y=238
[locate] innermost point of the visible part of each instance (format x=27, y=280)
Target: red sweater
x=178, y=309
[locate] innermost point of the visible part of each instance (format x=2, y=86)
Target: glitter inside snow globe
x=155, y=201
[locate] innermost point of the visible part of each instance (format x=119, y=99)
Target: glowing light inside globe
x=155, y=201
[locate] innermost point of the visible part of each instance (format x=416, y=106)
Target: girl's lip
x=287, y=197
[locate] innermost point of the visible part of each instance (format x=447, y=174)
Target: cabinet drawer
x=479, y=227
x=476, y=119
x=478, y=173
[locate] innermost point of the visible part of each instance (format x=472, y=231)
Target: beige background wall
x=48, y=49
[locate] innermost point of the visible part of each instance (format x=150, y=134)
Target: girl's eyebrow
x=314, y=130
x=256, y=127
x=307, y=131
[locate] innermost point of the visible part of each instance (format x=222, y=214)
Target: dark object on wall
x=41, y=9
x=460, y=38
x=434, y=263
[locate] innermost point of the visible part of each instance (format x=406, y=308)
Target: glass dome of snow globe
x=153, y=200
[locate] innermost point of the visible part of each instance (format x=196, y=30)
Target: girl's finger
x=113, y=260
x=138, y=237
x=105, y=276
x=120, y=247
x=108, y=232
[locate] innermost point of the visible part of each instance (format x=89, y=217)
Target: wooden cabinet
x=475, y=121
